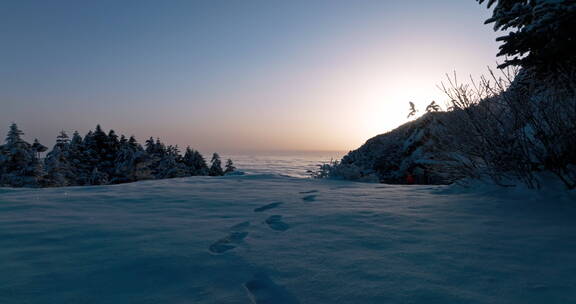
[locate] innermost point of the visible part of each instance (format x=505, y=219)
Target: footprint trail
x=267, y=207
x=232, y=240
x=275, y=223
x=308, y=192
x=262, y=290
x=309, y=198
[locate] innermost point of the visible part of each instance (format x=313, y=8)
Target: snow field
x=274, y=239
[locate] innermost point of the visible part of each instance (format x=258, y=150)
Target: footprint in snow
x=309, y=198
x=233, y=239
x=308, y=192
x=267, y=207
x=275, y=223
x=240, y=226
x=262, y=290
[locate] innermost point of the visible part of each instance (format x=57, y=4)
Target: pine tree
x=123, y=140
x=62, y=140
x=188, y=161
x=229, y=167
x=97, y=154
x=100, y=140
x=109, y=154
x=90, y=156
x=81, y=166
x=216, y=166
x=156, y=151
x=159, y=148
x=540, y=33
x=38, y=148
x=134, y=144
x=76, y=139
x=59, y=170
x=150, y=146
x=131, y=163
x=98, y=178
x=14, y=136
x=194, y=162
x=20, y=164
x=113, y=143
x=171, y=164
x=97, y=159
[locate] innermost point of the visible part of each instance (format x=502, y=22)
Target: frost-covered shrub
x=514, y=126
x=338, y=170
x=510, y=128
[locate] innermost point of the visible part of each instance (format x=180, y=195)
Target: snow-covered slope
x=271, y=239
x=417, y=148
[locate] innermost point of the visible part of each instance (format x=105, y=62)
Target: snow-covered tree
x=97, y=159
x=156, y=150
x=14, y=136
x=108, y=150
x=216, y=166
x=150, y=146
x=59, y=169
x=540, y=33
x=131, y=164
x=76, y=139
x=38, y=148
x=98, y=178
x=78, y=158
x=90, y=156
x=171, y=165
x=200, y=165
x=19, y=163
x=195, y=162
x=62, y=140
x=188, y=160
x=133, y=143
x=229, y=167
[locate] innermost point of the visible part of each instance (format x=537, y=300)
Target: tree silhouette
x=412, y=110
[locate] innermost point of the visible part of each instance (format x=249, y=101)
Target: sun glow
x=305, y=83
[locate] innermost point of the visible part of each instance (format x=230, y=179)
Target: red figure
x=409, y=179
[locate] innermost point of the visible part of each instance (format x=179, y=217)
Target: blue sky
x=233, y=75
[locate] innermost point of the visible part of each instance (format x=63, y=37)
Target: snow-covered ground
x=273, y=239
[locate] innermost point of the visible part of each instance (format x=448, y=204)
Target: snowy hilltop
x=513, y=126
x=98, y=158
x=414, y=150
x=509, y=129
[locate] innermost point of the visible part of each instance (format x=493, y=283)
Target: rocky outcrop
x=416, y=152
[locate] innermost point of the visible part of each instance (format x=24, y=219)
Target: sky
x=233, y=75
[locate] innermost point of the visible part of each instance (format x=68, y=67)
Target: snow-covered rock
x=417, y=148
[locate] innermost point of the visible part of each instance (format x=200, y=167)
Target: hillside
x=417, y=148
